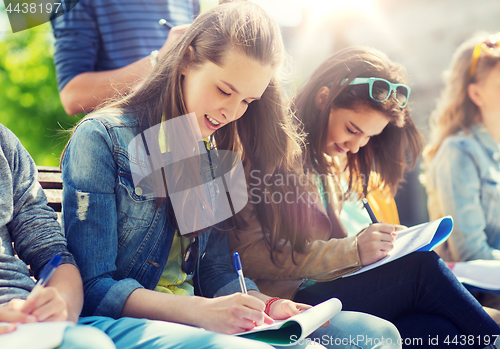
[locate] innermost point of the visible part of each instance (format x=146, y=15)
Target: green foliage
x=29, y=99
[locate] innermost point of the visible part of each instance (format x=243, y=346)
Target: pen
x=46, y=273
x=239, y=270
x=370, y=212
x=165, y=23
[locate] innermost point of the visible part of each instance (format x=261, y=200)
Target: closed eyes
x=222, y=92
x=351, y=131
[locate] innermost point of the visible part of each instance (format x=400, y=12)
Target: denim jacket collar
x=483, y=136
x=130, y=246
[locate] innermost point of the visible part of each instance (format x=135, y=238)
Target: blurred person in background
x=105, y=48
x=463, y=155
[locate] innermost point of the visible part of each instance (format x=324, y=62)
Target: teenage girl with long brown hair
x=355, y=104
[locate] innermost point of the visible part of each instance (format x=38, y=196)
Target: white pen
x=165, y=23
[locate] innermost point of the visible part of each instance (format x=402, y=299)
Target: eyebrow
x=356, y=127
x=236, y=91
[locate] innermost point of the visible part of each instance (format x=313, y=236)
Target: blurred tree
x=29, y=100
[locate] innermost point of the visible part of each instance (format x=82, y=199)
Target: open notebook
x=296, y=328
x=40, y=335
x=422, y=237
x=482, y=274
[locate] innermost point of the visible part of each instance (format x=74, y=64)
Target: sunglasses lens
x=190, y=257
x=380, y=90
x=401, y=95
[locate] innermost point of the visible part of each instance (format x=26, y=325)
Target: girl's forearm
x=154, y=305
x=68, y=282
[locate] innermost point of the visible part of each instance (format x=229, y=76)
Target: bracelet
x=269, y=302
x=153, y=58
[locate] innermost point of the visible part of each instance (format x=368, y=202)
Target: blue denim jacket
x=464, y=182
x=120, y=239
x=25, y=220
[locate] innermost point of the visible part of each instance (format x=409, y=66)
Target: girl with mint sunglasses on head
x=354, y=108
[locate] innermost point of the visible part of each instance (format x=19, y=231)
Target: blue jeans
x=131, y=333
x=419, y=283
x=85, y=337
x=425, y=330
x=353, y=330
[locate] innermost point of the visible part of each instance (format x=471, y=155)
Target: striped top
x=110, y=34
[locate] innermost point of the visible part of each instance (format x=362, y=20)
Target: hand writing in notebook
x=11, y=313
x=375, y=242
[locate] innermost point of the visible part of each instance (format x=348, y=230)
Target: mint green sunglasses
x=381, y=89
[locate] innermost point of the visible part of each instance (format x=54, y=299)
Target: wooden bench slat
x=53, y=195
x=51, y=182
x=49, y=177
x=48, y=169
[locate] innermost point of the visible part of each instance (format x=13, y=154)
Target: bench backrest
x=51, y=182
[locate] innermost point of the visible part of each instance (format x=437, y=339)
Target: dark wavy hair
x=388, y=153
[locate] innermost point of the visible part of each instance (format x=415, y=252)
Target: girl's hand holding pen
x=231, y=314
x=375, y=242
x=11, y=313
x=47, y=304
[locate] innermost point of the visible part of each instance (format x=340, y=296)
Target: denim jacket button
x=138, y=191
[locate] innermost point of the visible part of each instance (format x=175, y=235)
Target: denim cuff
x=114, y=301
x=234, y=286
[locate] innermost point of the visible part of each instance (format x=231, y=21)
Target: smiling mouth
x=340, y=150
x=212, y=121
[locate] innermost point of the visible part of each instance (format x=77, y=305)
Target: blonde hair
x=455, y=110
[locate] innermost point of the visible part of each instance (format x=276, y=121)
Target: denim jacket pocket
x=134, y=211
